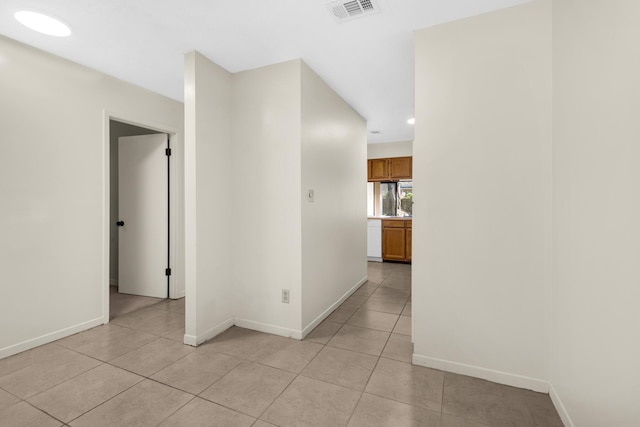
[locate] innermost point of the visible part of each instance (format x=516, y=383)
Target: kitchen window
x=391, y=199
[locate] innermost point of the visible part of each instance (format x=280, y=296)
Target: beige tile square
x=356, y=299
x=383, y=305
x=392, y=295
x=387, y=267
x=200, y=413
x=343, y=313
x=73, y=398
x=399, y=347
x=250, y=388
x=27, y=358
x=407, y=309
x=342, y=367
x=24, y=415
x=373, y=320
x=323, y=332
x=366, y=290
x=374, y=278
x=309, y=402
x=146, y=404
x=177, y=335
x=237, y=342
x=453, y=421
x=261, y=423
x=286, y=353
x=362, y=340
x=47, y=369
x=378, y=411
x=107, y=342
x=196, y=372
x=121, y=304
x=152, y=321
x=403, y=326
x=496, y=404
x=397, y=281
x=152, y=357
x=176, y=305
x=7, y=399
x=406, y=383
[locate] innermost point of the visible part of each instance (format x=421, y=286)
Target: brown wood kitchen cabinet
x=400, y=168
x=390, y=169
x=378, y=169
x=396, y=239
x=408, y=232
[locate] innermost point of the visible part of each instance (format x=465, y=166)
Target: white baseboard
x=47, y=338
x=269, y=329
x=206, y=336
x=374, y=259
x=190, y=340
x=311, y=326
x=562, y=411
x=499, y=377
x=179, y=295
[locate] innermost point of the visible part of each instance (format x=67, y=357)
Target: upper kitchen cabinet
x=378, y=169
x=391, y=169
x=401, y=168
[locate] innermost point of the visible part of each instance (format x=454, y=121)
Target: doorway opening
x=140, y=191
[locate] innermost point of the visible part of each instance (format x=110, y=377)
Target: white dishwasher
x=374, y=240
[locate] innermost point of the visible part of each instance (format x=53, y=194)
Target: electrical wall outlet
x=285, y=296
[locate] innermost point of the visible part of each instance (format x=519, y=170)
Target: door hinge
x=167, y=151
x=167, y=272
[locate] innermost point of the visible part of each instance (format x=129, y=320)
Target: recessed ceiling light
x=42, y=23
x=412, y=121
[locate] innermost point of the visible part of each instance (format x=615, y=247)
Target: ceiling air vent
x=350, y=9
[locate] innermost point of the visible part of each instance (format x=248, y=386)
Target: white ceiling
x=368, y=61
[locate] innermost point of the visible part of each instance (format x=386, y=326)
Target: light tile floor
x=120, y=304
x=354, y=369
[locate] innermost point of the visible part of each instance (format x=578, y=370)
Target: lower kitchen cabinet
x=396, y=240
x=408, y=230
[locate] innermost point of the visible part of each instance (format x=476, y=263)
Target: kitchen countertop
x=396, y=218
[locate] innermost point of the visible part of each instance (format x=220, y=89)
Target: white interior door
x=143, y=196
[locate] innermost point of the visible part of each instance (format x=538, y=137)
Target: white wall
x=266, y=197
x=208, y=194
x=595, y=372
x=54, y=192
x=334, y=225
x=482, y=216
x=389, y=149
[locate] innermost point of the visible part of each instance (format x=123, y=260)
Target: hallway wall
x=334, y=225
x=595, y=374
x=267, y=198
x=482, y=180
x=52, y=181
x=208, y=192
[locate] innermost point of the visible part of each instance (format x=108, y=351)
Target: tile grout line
x=324, y=345
x=372, y=371
x=102, y=403
x=143, y=378
x=193, y=396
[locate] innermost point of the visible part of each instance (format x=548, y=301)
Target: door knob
x=120, y=223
